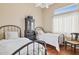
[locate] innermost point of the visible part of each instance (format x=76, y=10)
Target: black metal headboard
x=5, y=28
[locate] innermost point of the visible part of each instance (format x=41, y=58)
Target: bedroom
x=15, y=13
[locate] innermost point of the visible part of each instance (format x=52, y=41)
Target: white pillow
x=40, y=32
x=11, y=35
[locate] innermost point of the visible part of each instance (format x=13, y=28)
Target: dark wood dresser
x=29, y=28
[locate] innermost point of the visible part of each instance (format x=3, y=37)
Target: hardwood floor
x=53, y=51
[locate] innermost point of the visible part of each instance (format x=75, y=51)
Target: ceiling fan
x=43, y=5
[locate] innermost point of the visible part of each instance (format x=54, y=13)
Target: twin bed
x=12, y=43
x=50, y=38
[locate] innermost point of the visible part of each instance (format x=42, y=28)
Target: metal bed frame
x=5, y=28
x=38, y=48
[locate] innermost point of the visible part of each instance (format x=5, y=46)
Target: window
x=65, y=22
x=66, y=9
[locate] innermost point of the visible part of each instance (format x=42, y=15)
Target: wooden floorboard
x=63, y=51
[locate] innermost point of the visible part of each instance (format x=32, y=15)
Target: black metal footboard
x=36, y=47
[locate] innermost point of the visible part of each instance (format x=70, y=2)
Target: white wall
x=14, y=14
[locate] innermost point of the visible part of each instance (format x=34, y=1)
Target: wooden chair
x=74, y=41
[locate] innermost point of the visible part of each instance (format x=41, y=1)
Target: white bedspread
x=51, y=39
x=7, y=47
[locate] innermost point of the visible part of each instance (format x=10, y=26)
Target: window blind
x=66, y=23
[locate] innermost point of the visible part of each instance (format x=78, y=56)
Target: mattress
x=52, y=39
x=7, y=47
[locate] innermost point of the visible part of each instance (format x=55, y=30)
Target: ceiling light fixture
x=43, y=5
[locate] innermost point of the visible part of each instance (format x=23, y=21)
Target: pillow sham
x=11, y=35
